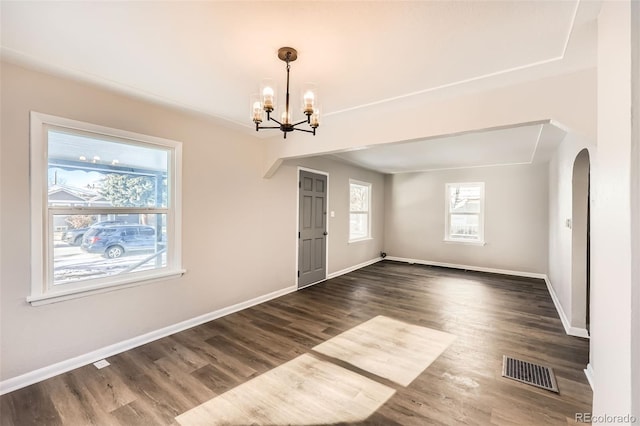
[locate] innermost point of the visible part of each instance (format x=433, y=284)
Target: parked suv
x=115, y=240
x=74, y=236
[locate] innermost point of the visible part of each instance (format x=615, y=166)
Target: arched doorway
x=580, y=243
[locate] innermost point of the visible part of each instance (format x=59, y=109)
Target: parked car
x=74, y=236
x=113, y=241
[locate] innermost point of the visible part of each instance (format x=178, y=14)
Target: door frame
x=296, y=245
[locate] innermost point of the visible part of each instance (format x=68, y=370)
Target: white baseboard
x=44, y=373
x=353, y=268
x=571, y=331
x=468, y=267
x=589, y=373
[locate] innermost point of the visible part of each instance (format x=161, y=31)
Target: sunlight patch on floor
x=311, y=391
x=303, y=391
x=388, y=348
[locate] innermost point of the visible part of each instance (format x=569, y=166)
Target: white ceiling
x=210, y=56
x=526, y=144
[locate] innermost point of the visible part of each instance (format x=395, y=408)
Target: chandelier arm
x=300, y=122
x=268, y=127
x=273, y=119
x=305, y=130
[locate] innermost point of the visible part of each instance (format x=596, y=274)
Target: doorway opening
x=580, y=244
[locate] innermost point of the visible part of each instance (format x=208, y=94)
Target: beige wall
x=560, y=235
x=515, y=218
x=238, y=228
x=611, y=290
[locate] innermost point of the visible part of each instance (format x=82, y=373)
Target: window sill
x=467, y=243
x=360, y=240
x=60, y=296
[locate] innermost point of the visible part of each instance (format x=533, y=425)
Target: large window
x=465, y=212
x=105, y=208
x=359, y=210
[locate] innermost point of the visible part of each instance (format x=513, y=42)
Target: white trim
x=353, y=268
x=345, y=271
x=313, y=283
x=44, y=373
x=116, y=284
x=296, y=245
x=556, y=302
x=42, y=287
x=447, y=211
x=571, y=331
x=369, y=187
x=589, y=373
x=468, y=267
x=360, y=240
x=468, y=243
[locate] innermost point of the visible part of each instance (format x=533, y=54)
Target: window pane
x=358, y=226
x=464, y=199
x=88, y=247
x=359, y=198
x=464, y=226
x=86, y=171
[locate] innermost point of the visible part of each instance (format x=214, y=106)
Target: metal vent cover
x=529, y=373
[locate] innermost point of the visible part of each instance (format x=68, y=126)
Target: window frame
x=43, y=290
x=447, y=228
x=368, y=212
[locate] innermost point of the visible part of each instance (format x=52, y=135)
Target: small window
x=90, y=187
x=359, y=210
x=465, y=212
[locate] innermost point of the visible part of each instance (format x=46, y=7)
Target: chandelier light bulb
x=257, y=112
x=308, y=101
x=267, y=98
x=256, y=108
x=314, y=121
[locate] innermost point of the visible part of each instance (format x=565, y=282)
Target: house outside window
x=359, y=210
x=105, y=208
x=464, y=212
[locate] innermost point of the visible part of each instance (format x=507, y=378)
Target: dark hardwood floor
x=491, y=315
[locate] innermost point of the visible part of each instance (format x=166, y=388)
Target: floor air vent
x=531, y=374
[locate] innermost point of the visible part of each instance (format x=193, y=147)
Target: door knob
x=325, y=233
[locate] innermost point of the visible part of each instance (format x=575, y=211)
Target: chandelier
x=266, y=102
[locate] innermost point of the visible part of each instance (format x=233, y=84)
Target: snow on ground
x=70, y=263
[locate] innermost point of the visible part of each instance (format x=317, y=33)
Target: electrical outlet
x=101, y=364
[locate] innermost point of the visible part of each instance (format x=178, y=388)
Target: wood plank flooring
x=490, y=315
